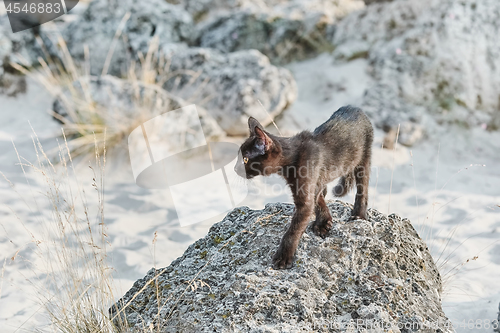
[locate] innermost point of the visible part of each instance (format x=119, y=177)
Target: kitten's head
x=258, y=155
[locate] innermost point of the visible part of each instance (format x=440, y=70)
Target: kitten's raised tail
x=344, y=185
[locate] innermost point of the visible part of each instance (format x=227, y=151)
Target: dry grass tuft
x=87, y=122
x=75, y=284
x=74, y=281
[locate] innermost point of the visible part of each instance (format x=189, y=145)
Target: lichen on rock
x=377, y=272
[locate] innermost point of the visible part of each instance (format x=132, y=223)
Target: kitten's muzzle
x=240, y=171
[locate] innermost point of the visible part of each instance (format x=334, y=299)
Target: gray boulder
x=284, y=30
x=441, y=56
x=298, y=9
x=97, y=26
x=375, y=275
x=369, y=2
x=231, y=85
x=228, y=86
x=20, y=48
x=280, y=38
x=116, y=102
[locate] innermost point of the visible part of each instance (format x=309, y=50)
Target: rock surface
x=120, y=102
x=298, y=9
x=98, y=25
x=282, y=30
x=20, y=48
x=231, y=85
x=376, y=272
x=280, y=38
x=375, y=1
x=227, y=85
x=438, y=57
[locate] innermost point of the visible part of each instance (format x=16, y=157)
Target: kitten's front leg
x=286, y=250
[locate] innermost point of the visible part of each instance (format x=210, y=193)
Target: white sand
x=457, y=211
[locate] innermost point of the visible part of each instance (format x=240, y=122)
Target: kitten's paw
x=322, y=229
x=283, y=259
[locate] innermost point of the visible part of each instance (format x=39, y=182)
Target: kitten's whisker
x=272, y=119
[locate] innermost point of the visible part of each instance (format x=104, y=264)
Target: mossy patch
x=203, y=254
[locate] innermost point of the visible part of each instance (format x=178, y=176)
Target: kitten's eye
x=245, y=160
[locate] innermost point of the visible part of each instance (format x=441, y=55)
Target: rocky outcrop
x=280, y=38
x=232, y=86
x=376, y=275
x=283, y=30
x=20, y=48
x=368, y=2
x=437, y=57
x=117, y=102
x=300, y=9
x=99, y=24
x=228, y=85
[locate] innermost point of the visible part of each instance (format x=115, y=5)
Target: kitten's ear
x=253, y=124
x=263, y=142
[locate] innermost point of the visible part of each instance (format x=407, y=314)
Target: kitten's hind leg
x=362, y=175
x=323, y=222
x=344, y=185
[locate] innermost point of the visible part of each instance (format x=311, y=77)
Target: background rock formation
x=203, y=9
x=117, y=101
x=228, y=85
x=428, y=57
x=19, y=48
x=99, y=24
x=232, y=86
x=377, y=271
x=283, y=30
x=280, y=38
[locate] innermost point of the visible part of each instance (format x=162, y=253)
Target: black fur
x=308, y=161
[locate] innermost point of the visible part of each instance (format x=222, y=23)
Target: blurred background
x=426, y=72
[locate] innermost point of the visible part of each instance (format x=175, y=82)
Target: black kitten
x=340, y=147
